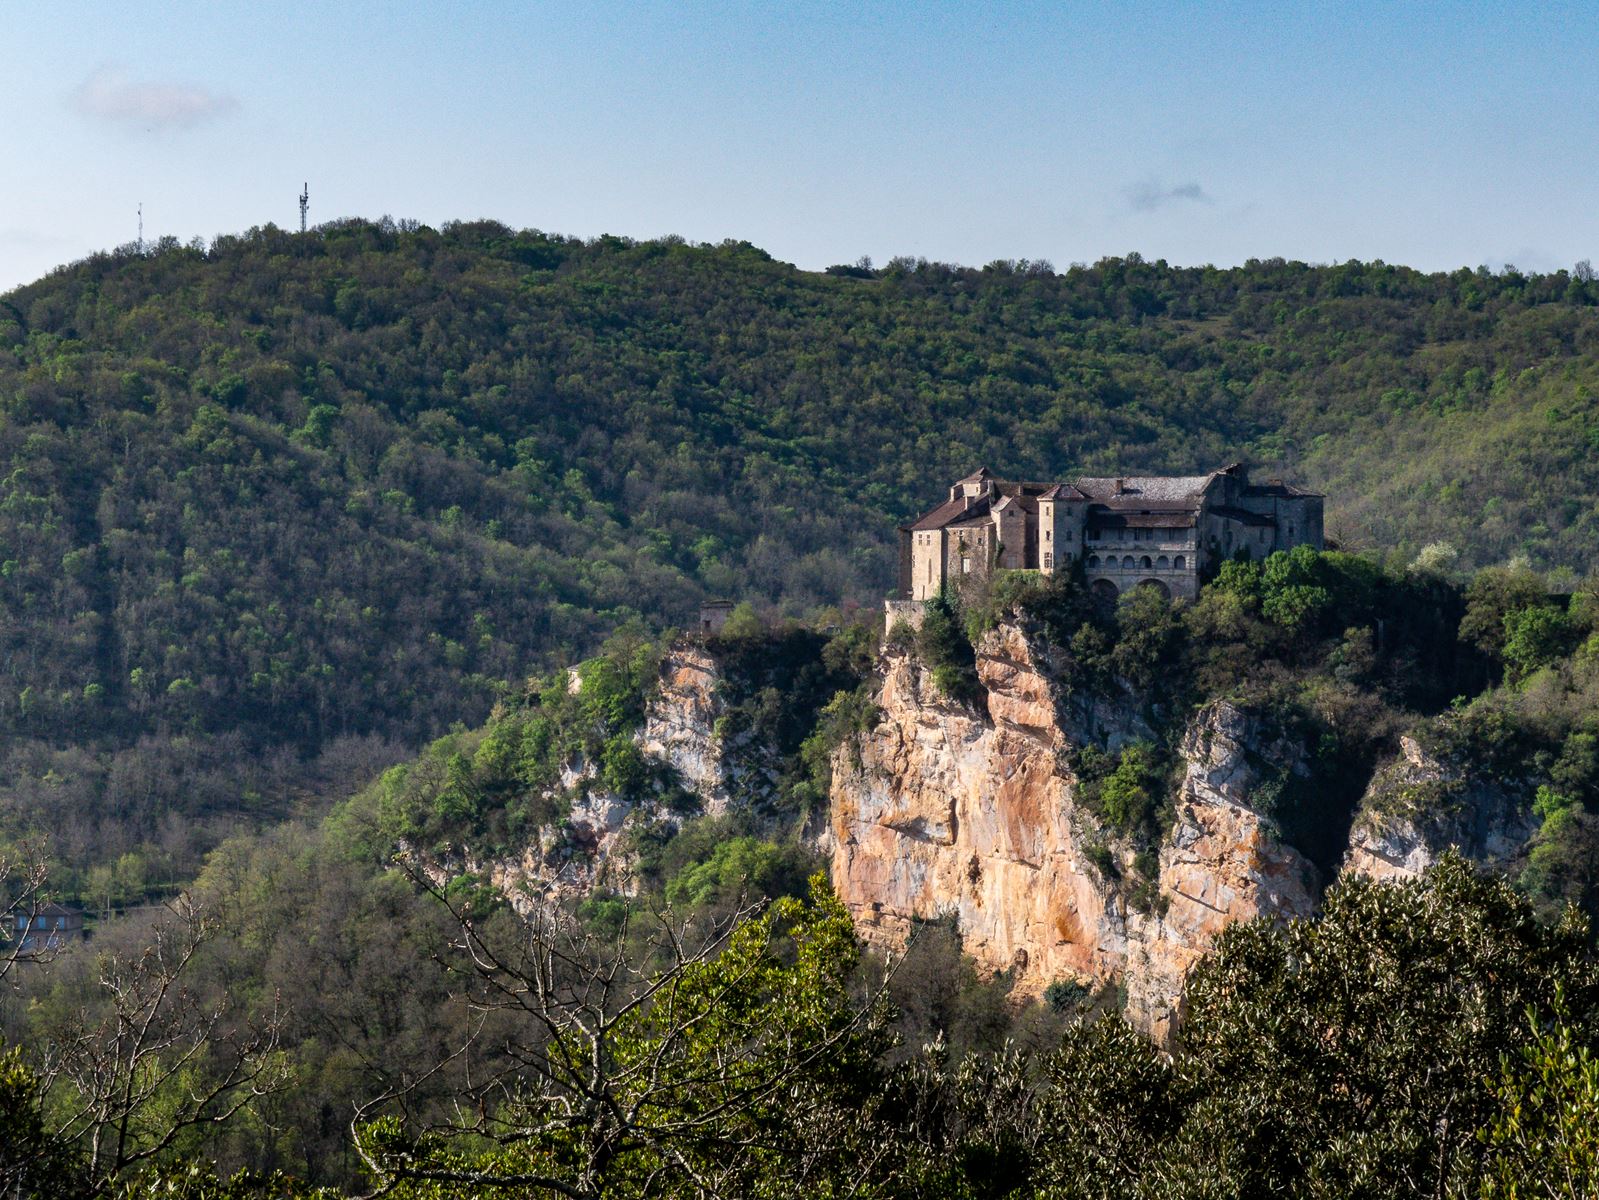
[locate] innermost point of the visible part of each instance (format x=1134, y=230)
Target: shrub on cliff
x=946, y=650
x=493, y=786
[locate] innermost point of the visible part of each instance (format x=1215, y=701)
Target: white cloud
x=1152, y=194
x=109, y=95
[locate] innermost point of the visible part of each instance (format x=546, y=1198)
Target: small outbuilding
x=713, y=616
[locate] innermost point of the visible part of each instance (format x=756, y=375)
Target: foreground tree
x=1544, y=1143
x=156, y=1062
x=1345, y=1056
x=725, y=1062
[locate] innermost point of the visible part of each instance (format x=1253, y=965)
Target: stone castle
x=1162, y=531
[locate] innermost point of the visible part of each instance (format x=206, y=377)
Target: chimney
x=1121, y=486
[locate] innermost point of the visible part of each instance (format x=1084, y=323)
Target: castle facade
x=1163, y=531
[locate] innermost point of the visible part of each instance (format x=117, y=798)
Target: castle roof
x=1276, y=487
x=1167, y=501
x=1144, y=487
x=950, y=512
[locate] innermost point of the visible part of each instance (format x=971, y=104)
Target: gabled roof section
x=951, y=511
x=1158, y=488
x=1063, y=491
x=1019, y=500
x=977, y=476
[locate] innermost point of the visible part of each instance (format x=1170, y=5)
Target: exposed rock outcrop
x=680, y=725
x=1418, y=807
x=943, y=810
x=976, y=813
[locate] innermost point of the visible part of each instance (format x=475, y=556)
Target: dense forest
x=299, y=535
x=275, y=509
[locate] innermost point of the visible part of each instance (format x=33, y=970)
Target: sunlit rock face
x=1418, y=808
x=945, y=810
x=680, y=725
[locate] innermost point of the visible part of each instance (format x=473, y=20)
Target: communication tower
x=305, y=203
x=141, y=227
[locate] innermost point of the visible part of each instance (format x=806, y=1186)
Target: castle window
x=1049, y=535
x=1127, y=562
x=1068, y=535
x=1093, y=560
x=1145, y=563
x=1162, y=562
x=966, y=565
x=1180, y=563
x=1049, y=561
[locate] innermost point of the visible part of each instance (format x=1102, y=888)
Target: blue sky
x=1437, y=135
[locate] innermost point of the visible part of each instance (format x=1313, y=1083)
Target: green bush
x=1065, y=995
x=1126, y=798
x=946, y=650
x=1535, y=637
x=741, y=868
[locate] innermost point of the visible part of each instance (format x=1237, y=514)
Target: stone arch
x=1145, y=563
x=1165, y=592
x=1093, y=560
x=1104, y=590
x=1127, y=562
x=1180, y=563
x=1163, y=563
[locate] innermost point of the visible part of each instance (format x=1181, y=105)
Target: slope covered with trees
x=273, y=508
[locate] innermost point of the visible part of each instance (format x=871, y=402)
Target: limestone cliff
x=943, y=809
x=976, y=813
x=680, y=724
x=1419, y=806
x=590, y=847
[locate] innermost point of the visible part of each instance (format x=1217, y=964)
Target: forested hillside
x=288, y=496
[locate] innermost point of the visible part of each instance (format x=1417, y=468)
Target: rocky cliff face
x=680, y=725
x=946, y=810
x=975, y=813
x=1419, y=806
x=591, y=848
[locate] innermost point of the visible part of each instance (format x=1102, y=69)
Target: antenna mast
x=305, y=203
x=141, y=227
